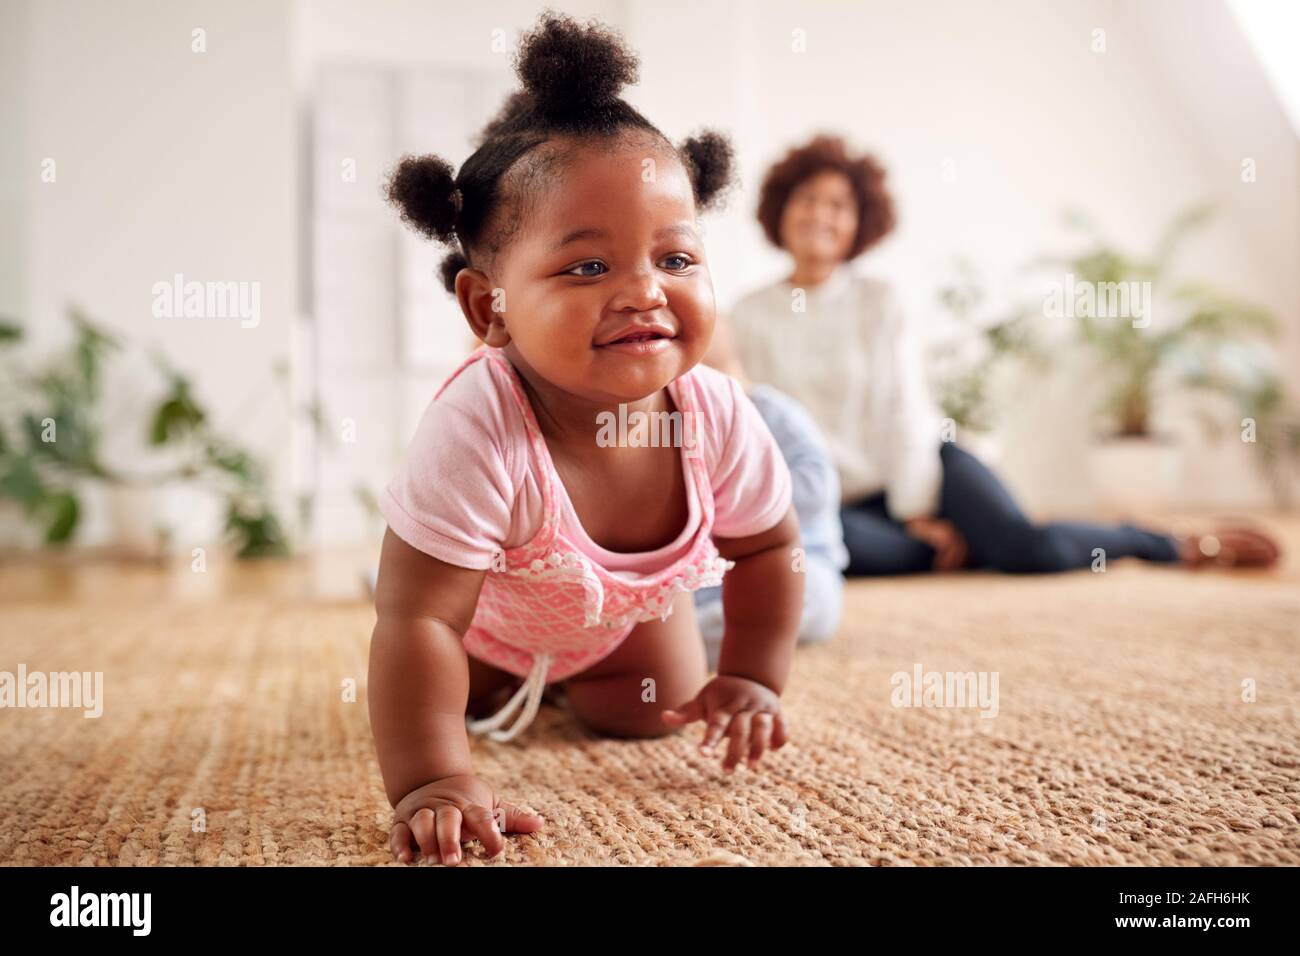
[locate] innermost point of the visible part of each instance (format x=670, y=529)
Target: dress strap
x=548, y=477
x=689, y=405
x=474, y=356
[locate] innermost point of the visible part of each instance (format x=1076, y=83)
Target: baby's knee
x=635, y=725
x=609, y=711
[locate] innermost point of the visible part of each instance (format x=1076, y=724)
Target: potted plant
x=1152, y=336
x=51, y=437
x=1272, y=421
x=49, y=434
x=965, y=360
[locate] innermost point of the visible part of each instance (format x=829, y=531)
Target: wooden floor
x=227, y=735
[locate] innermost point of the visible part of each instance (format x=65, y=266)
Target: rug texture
x=1143, y=716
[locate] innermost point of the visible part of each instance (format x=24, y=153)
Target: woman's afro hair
x=824, y=153
x=572, y=75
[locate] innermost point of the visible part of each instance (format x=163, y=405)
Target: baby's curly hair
x=572, y=75
x=829, y=153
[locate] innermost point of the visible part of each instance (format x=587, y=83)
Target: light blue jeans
x=823, y=602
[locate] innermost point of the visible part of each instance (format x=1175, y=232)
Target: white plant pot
x=1136, y=475
x=149, y=521
x=17, y=532
x=135, y=512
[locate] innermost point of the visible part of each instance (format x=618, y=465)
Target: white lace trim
x=707, y=573
x=557, y=564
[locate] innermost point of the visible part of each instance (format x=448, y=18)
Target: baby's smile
x=641, y=339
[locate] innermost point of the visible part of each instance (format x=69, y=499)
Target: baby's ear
x=484, y=306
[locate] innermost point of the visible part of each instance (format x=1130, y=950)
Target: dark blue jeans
x=998, y=535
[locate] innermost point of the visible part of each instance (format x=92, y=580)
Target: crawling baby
x=526, y=550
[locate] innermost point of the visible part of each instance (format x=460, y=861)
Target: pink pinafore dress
x=548, y=611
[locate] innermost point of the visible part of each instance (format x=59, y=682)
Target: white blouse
x=846, y=350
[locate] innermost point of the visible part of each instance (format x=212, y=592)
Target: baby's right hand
x=430, y=819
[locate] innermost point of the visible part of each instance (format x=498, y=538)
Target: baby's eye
x=596, y=264
x=677, y=262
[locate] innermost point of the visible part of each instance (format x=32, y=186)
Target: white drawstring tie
x=528, y=696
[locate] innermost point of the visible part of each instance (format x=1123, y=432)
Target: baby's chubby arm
x=762, y=600
x=418, y=689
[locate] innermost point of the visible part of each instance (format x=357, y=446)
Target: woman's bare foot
x=1229, y=547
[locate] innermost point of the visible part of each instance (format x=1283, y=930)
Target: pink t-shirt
x=468, y=487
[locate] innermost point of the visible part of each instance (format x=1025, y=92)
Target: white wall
x=13, y=120
x=167, y=161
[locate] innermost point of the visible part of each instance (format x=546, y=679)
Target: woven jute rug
x=1143, y=716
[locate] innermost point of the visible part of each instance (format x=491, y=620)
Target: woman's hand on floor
x=949, y=545
x=430, y=820
x=742, y=710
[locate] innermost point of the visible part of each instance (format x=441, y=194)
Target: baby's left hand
x=738, y=708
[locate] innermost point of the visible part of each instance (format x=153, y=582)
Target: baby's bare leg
x=610, y=697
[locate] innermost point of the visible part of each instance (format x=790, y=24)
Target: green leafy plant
x=1201, y=340
x=1202, y=346
x=180, y=423
x=1276, y=424
x=51, y=432
x=1211, y=350
x=962, y=367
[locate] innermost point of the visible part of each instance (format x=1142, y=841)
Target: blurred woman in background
x=841, y=344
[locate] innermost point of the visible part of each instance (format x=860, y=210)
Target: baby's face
x=607, y=292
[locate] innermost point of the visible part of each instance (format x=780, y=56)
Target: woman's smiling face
x=607, y=294
x=820, y=219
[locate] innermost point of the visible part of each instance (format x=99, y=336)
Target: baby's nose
x=640, y=293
